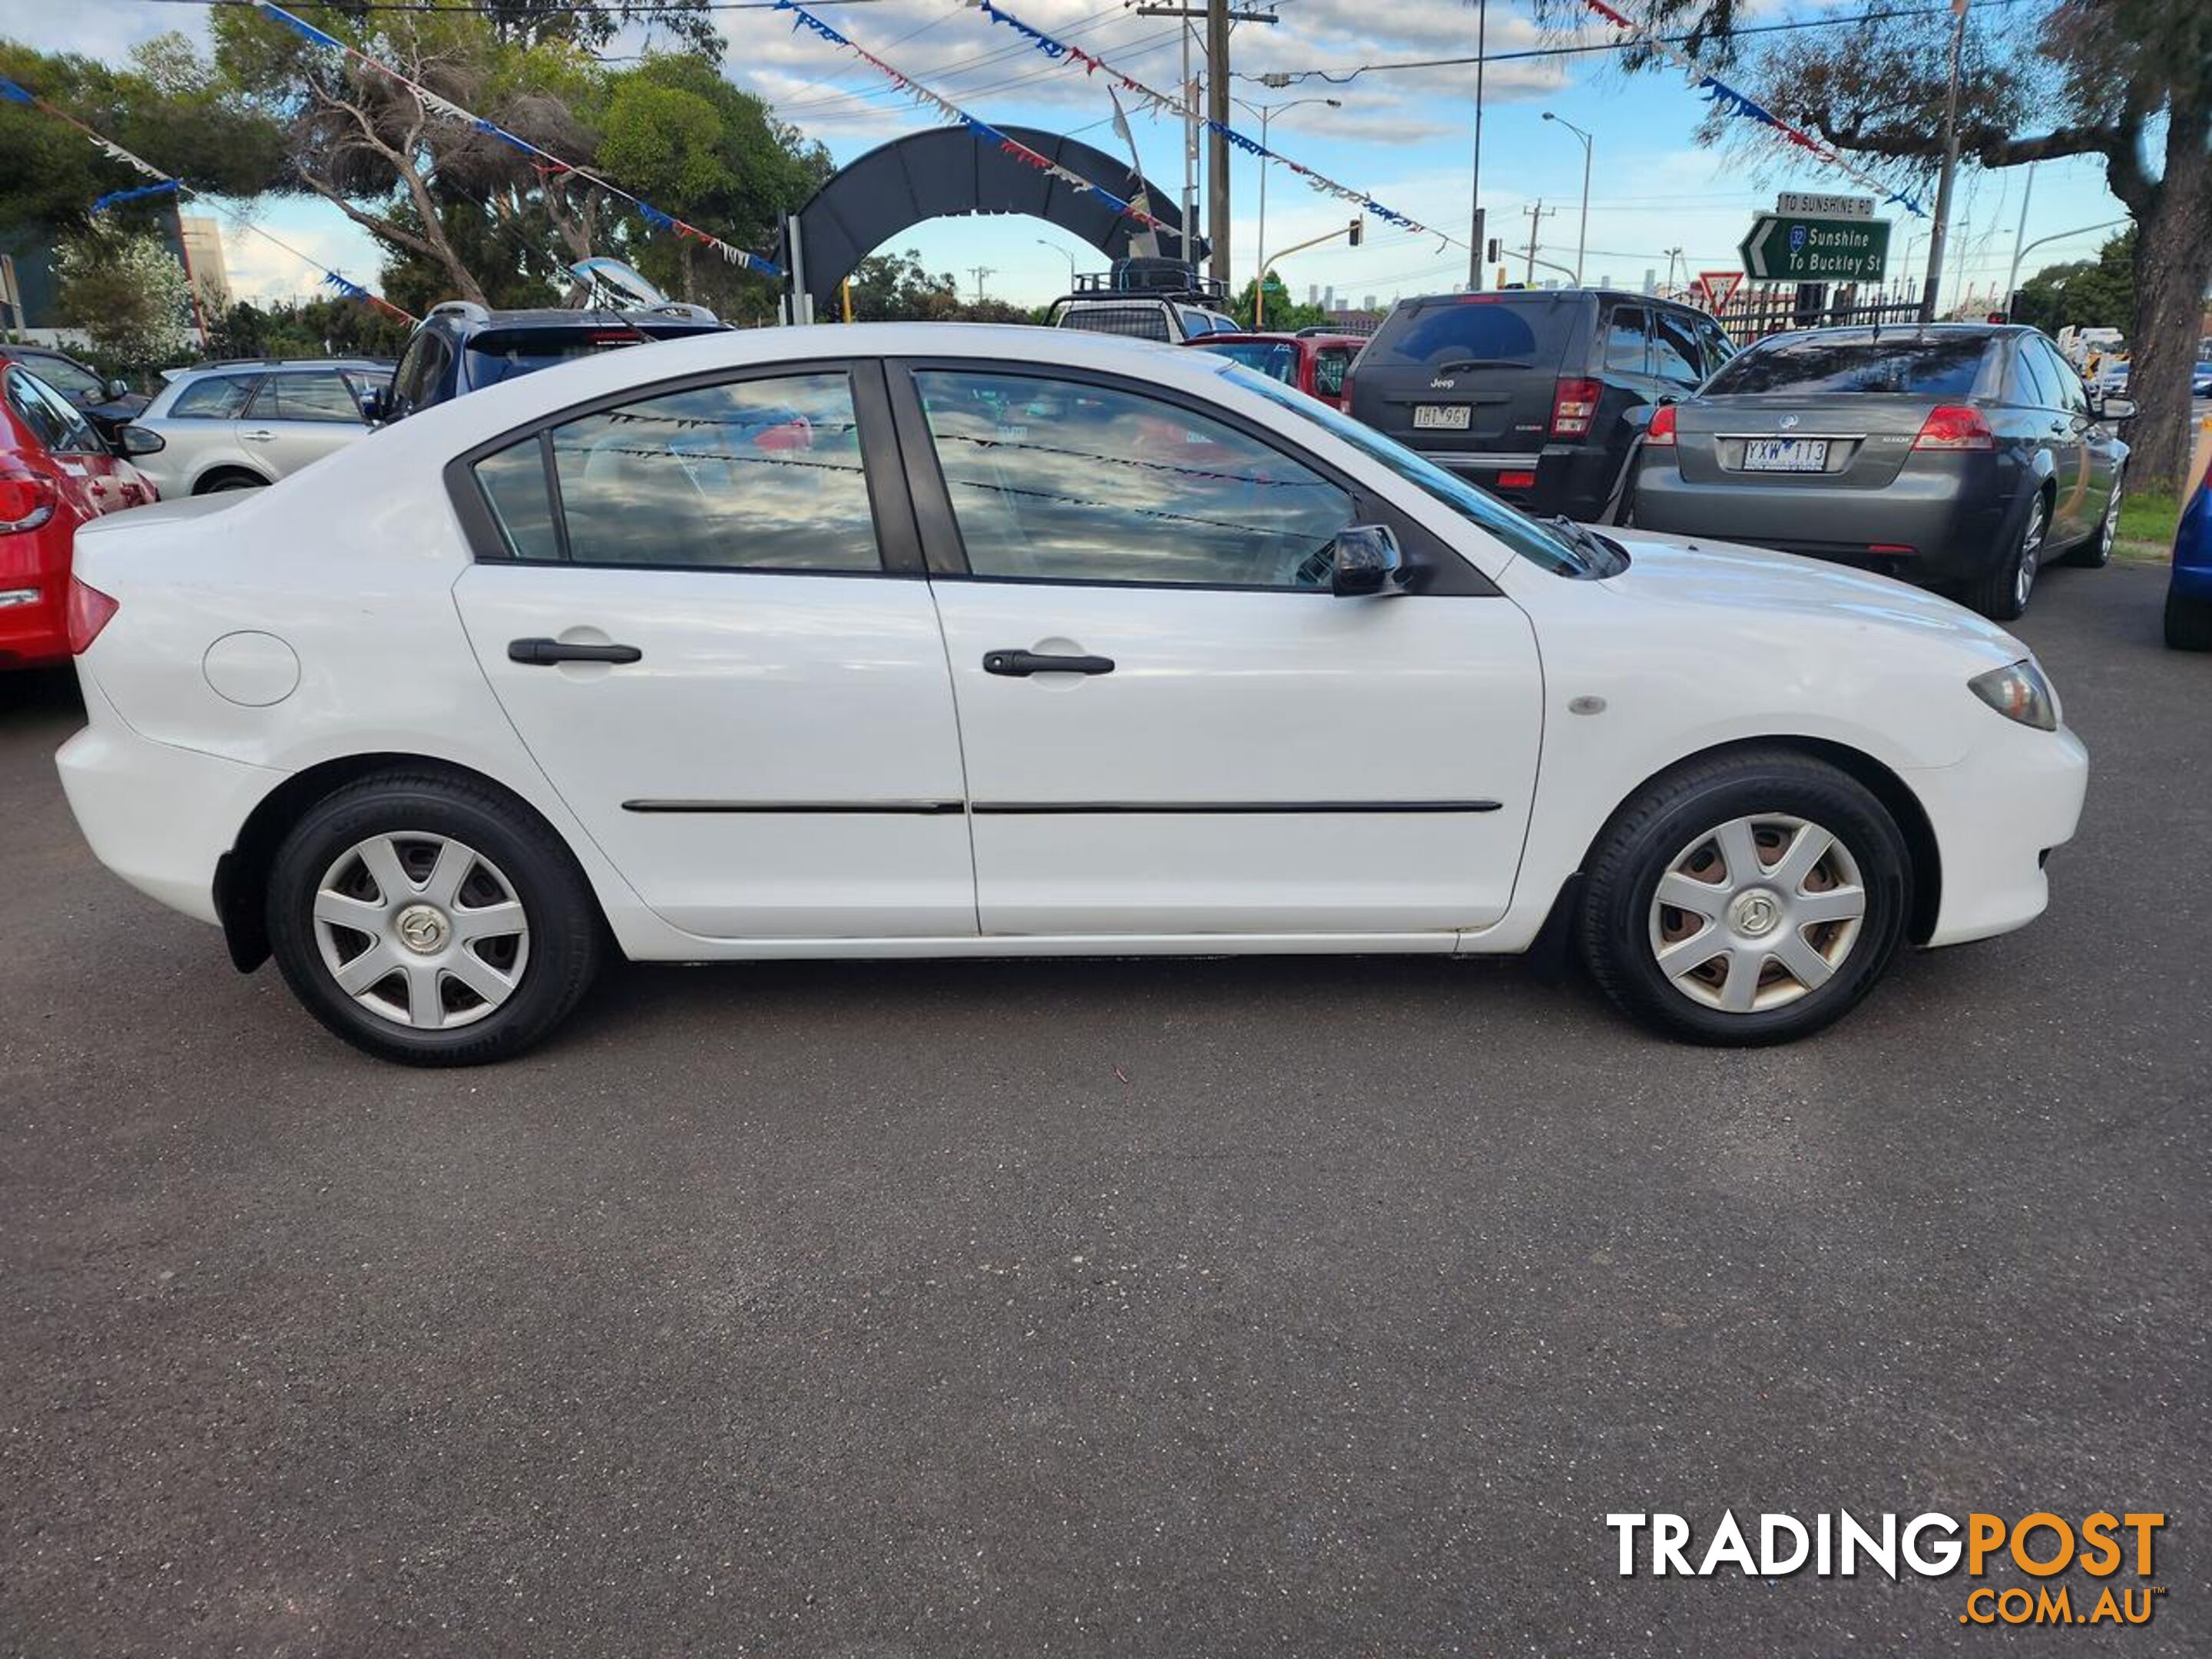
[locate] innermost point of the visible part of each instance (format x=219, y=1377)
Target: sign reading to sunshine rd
x=1788, y=247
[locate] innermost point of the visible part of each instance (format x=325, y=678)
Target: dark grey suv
x=1960, y=456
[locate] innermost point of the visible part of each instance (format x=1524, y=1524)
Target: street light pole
x=1582, y=239
x=1938, y=232
x=1268, y=112
x=1064, y=254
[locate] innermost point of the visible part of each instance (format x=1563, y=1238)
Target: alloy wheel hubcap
x=421, y=930
x=1756, y=913
x=2023, y=579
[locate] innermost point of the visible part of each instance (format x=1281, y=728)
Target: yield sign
x=1716, y=286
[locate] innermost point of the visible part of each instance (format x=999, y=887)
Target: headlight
x=2019, y=692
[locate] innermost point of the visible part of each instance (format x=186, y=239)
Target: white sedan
x=926, y=640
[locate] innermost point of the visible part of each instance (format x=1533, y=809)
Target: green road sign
x=1785, y=247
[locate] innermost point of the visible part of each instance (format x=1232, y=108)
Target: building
x=203, y=247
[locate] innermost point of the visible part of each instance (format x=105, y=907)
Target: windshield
x=1547, y=545
x=1816, y=363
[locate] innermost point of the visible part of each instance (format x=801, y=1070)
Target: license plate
x=1442, y=417
x=1785, y=455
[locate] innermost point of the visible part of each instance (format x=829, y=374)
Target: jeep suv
x=1524, y=391
x=462, y=347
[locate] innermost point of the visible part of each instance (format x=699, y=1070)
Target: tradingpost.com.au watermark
x=2113, y=1551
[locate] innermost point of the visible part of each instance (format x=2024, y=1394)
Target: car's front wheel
x=1753, y=898
x=431, y=921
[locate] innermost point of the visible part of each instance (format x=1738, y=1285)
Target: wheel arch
x=1879, y=781
x=241, y=875
x=213, y=477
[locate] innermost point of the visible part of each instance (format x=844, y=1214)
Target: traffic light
x=1491, y=256
x=1358, y=226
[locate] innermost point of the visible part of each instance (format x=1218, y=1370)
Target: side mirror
x=118, y=389
x=2116, y=409
x=1364, y=559
x=142, y=441
x=376, y=405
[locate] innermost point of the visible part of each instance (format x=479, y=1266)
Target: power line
x=487, y=11
x=1287, y=77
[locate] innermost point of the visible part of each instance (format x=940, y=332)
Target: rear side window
x=1675, y=348
x=1811, y=364
x=1475, y=332
x=2033, y=385
x=317, y=396
x=415, y=383
x=1329, y=364
x=34, y=412
x=1627, y=341
x=218, y=397
x=754, y=475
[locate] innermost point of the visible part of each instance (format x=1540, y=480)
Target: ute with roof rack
x=1145, y=299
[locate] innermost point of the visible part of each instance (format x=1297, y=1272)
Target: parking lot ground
x=1190, y=1308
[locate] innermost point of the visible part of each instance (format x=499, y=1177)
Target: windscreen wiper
x=1606, y=554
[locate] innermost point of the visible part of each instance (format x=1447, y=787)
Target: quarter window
x=753, y=475
x=218, y=398
x=1064, y=481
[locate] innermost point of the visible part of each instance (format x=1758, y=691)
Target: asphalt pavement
x=1318, y=1307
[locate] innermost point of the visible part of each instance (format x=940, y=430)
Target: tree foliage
x=2098, y=292
x=893, y=288
x=127, y=292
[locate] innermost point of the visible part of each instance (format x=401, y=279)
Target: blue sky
x=1404, y=136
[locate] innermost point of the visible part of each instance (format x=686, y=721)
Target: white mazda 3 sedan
x=928, y=641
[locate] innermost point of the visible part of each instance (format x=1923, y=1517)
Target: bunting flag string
x=1730, y=101
x=982, y=131
x=549, y=164
x=102, y=204
x=166, y=183
x=1160, y=104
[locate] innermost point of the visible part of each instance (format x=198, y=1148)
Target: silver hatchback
x=237, y=426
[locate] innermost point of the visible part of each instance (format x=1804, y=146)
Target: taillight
x=1955, y=426
x=26, y=500
x=89, y=611
x=1344, y=391
x=1660, y=432
x=1574, y=405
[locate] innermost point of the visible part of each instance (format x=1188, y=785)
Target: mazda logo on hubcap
x=421, y=928
x=1756, y=913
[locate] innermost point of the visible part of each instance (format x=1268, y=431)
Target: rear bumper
x=1923, y=527
x=1997, y=815
x=33, y=631
x=158, y=816
x=1576, y=479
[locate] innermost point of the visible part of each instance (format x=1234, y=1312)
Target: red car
x=55, y=473
x=1315, y=363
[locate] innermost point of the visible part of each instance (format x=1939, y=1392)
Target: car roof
x=276, y=366
x=1875, y=334
x=476, y=319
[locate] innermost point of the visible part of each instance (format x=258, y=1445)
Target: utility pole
x=1475, y=244
x=1537, y=213
x=2019, y=242
x=979, y=272
x=1217, y=149
x=1937, y=234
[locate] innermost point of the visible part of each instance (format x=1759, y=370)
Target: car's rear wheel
x=2001, y=592
x=2097, y=552
x=2188, y=622
x=431, y=921
x=1755, y=898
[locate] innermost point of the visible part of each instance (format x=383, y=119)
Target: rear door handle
x=544, y=652
x=1020, y=665
x=259, y=437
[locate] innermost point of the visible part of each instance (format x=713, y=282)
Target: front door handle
x=538, y=654
x=1020, y=665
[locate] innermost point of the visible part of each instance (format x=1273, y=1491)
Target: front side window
x=31, y=409
x=1553, y=550
x=415, y=383
x=752, y=475
x=2071, y=396
x=1061, y=480
x=1675, y=349
x=317, y=396
x=218, y=398
x=1718, y=348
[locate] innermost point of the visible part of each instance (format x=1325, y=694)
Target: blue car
x=2189, y=595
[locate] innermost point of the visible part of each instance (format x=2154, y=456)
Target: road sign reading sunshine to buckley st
x=1790, y=247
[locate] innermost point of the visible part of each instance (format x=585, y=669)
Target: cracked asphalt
x=1187, y=1308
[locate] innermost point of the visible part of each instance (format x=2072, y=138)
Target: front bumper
x=1996, y=815
x=158, y=816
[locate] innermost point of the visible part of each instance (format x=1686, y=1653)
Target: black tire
x=515, y=849
x=1620, y=925
x=2000, y=592
x=2188, y=622
x=2097, y=552
x=231, y=480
